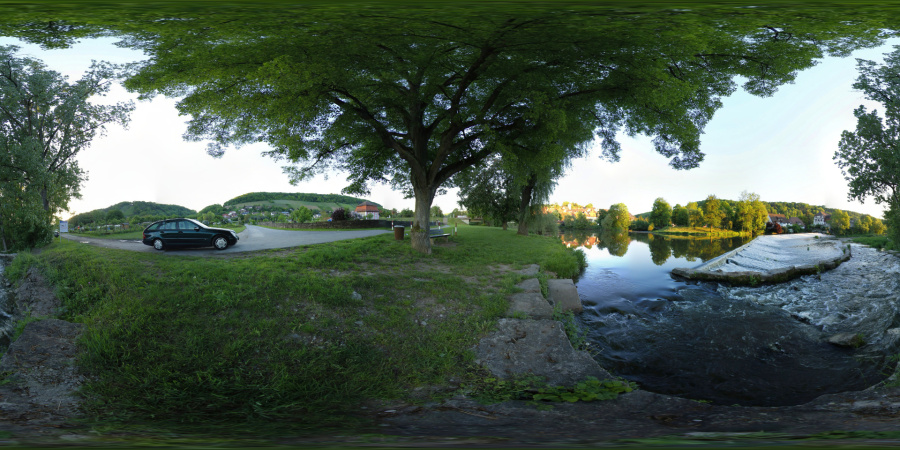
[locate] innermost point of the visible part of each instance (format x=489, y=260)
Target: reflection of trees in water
x=681, y=248
x=660, y=249
x=616, y=243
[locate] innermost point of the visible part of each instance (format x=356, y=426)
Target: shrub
x=339, y=214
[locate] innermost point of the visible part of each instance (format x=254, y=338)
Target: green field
x=295, y=338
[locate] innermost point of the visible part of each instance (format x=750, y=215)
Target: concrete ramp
x=772, y=259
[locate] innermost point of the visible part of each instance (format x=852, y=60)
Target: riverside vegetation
x=298, y=338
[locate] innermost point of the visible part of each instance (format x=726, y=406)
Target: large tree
x=751, y=214
x=45, y=121
x=413, y=97
x=617, y=219
x=712, y=212
x=661, y=214
x=869, y=157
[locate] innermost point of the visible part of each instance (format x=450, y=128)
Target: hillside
x=147, y=210
x=257, y=197
x=286, y=200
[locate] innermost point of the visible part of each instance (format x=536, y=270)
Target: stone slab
x=563, y=295
x=530, y=285
x=536, y=347
x=532, y=304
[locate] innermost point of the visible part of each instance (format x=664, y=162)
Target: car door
x=202, y=235
x=189, y=233
x=168, y=232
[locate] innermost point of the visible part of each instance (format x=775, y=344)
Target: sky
x=780, y=147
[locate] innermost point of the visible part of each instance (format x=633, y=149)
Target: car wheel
x=220, y=243
x=158, y=244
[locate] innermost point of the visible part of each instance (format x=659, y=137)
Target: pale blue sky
x=780, y=147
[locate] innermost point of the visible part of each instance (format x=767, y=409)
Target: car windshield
x=196, y=223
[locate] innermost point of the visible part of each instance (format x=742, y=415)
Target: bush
x=640, y=224
x=339, y=214
x=566, y=264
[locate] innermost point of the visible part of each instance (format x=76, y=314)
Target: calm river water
x=686, y=339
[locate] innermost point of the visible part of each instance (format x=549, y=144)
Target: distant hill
x=294, y=200
x=146, y=210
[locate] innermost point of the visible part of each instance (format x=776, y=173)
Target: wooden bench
x=437, y=234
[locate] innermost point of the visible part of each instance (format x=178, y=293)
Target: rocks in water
x=564, y=296
x=850, y=340
x=535, y=347
x=652, y=304
x=531, y=304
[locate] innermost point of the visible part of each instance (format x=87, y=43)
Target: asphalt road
x=252, y=239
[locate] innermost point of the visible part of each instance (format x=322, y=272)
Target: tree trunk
x=419, y=232
x=525, y=204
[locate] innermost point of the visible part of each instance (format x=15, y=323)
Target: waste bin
x=398, y=232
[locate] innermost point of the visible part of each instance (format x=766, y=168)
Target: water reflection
x=662, y=247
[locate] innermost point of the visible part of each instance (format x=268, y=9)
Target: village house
x=366, y=210
x=821, y=219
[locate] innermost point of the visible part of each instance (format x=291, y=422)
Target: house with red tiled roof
x=366, y=209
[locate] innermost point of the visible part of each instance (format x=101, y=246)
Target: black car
x=187, y=233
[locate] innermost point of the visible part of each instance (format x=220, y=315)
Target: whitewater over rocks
x=860, y=297
x=772, y=259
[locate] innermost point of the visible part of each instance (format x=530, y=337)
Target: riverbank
x=242, y=342
x=438, y=412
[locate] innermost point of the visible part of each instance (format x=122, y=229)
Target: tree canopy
x=661, y=215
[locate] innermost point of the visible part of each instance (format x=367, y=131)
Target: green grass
x=298, y=338
x=879, y=242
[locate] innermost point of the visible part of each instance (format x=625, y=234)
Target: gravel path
x=252, y=239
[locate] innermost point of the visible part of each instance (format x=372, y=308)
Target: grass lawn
x=880, y=242
x=299, y=337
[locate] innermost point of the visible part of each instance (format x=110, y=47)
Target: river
x=763, y=346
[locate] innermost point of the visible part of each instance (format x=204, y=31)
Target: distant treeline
x=803, y=211
x=300, y=197
x=124, y=211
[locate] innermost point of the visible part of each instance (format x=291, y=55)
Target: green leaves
x=869, y=157
x=44, y=123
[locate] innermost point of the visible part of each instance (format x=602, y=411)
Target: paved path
x=252, y=239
